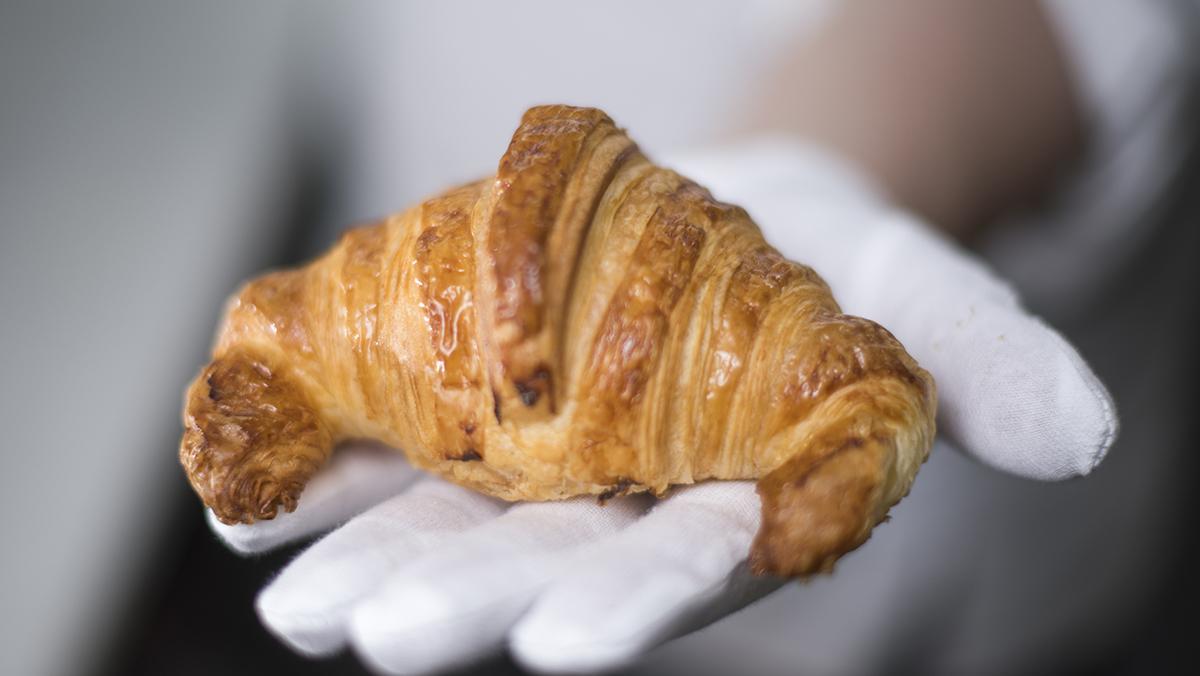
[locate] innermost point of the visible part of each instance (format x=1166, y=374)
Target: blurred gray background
x=140, y=157
x=154, y=154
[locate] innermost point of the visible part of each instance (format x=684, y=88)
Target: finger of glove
x=356, y=478
x=309, y=603
x=673, y=571
x=455, y=605
x=1012, y=392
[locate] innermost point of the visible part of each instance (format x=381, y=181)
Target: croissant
x=584, y=322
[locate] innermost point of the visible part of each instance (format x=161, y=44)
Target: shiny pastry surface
x=584, y=322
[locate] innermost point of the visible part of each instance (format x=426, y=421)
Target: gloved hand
x=432, y=576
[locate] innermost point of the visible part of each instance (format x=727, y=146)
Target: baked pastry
x=583, y=322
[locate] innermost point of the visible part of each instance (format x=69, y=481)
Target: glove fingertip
x=310, y=634
x=542, y=644
x=1034, y=408
x=413, y=629
x=243, y=539
x=1099, y=440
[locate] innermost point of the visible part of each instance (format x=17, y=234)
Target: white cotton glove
x=432, y=576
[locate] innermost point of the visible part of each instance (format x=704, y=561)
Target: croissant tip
x=251, y=439
x=796, y=565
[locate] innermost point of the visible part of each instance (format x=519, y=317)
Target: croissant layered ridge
x=584, y=322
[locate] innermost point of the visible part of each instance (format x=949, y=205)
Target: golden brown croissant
x=584, y=322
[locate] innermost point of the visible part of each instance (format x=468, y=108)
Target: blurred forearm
x=961, y=109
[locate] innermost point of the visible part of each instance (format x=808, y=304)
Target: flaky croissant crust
x=583, y=322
